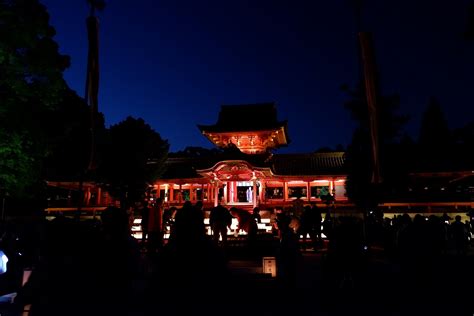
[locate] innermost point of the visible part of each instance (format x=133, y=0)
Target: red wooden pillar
x=216, y=193
x=88, y=196
x=308, y=190
x=332, y=188
x=254, y=195
x=99, y=196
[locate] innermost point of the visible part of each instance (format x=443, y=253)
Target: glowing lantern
x=269, y=266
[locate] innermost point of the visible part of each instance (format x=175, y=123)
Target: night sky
x=175, y=62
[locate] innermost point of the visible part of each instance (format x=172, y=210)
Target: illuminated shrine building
x=246, y=172
x=253, y=129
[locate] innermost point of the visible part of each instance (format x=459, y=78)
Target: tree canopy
x=434, y=131
x=435, y=142
x=133, y=157
x=68, y=131
x=196, y=152
x=31, y=84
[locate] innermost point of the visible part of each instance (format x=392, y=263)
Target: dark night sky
x=175, y=62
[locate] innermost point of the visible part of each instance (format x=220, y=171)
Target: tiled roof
x=308, y=164
x=180, y=168
x=283, y=164
x=185, y=167
x=245, y=117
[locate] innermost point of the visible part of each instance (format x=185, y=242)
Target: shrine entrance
x=240, y=193
x=238, y=182
x=244, y=192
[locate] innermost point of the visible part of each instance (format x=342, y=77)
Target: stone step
x=244, y=263
x=246, y=270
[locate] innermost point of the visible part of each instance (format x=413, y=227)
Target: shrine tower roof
x=253, y=128
x=245, y=117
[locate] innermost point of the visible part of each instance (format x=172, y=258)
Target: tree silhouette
x=68, y=138
x=469, y=32
x=196, y=152
x=133, y=157
x=434, y=127
x=464, y=141
x=435, y=141
x=31, y=84
x=359, y=186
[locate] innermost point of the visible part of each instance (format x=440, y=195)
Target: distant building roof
x=309, y=164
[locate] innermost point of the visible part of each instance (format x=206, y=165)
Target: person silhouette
x=220, y=219
x=459, y=235
x=256, y=215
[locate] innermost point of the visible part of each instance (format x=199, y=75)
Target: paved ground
x=377, y=286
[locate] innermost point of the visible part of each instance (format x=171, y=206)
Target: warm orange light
x=250, y=142
x=269, y=265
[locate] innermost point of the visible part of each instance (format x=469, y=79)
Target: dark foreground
x=106, y=272
x=375, y=286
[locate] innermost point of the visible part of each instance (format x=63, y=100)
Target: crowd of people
x=310, y=223
x=95, y=264
x=77, y=267
x=158, y=220
x=406, y=236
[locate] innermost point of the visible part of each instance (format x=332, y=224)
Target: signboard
x=269, y=266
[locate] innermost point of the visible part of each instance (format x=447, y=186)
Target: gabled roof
x=185, y=167
x=280, y=164
x=245, y=117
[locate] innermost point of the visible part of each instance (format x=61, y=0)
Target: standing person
x=189, y=226
x=154, y=225
x=328, y=225
x=256, y=215
x=459, y=236
x=311, y=225
x=167, y=222
x=282, y=221
x=219, y=219
x=317, y=226
x=298, y=207
x=289, y=255
x=307, y=225
x=144, y=212
x=246, y=222
x=199, y=207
